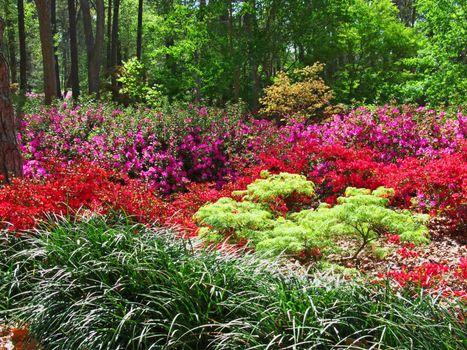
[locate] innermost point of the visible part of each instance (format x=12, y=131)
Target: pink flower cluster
x=393, y=132
x=167, y=153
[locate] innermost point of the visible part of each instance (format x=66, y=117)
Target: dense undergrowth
x=373, y=182
x=105, y=283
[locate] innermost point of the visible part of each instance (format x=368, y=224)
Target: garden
x=287, y=210
x=366, y=208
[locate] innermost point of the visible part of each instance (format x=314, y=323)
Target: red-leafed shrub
x=332, y=167
x=432, y=185
x=80, y=186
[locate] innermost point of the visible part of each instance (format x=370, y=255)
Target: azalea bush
x=433, y=185
x=395, y=132
x=79, y=188
x=167, y=149
x=408, y=149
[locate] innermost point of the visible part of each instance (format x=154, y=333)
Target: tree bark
x=10, y=156
x=109, y=34
x=53, y=12
x=139, y=34
x=114, y=46
x=11, y=42
x=251, y=31
x=48, y=59
x=23, y=65
x=94, y=45
x=74, y=74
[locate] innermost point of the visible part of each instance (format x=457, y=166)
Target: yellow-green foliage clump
x=361, y=216
x=289, y=188
x=304, y=96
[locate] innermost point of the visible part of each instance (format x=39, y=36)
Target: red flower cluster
x=434, y=184
x=332, y=167
x=81, y=186
x=431, y=276
x=428, y=185
x=407, y=253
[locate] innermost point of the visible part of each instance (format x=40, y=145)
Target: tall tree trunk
x=114, y=47
x=23, y=65
x=48, y=60
x=10, y=156
x=232, y=53
x=53, y=12
x=139, y=34
x=74, y=75
x=109, y=34
x=94, y=45
x=11, y=41
x=251, y=32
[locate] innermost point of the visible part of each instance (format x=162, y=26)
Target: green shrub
x=361, y=216
x=101, y=284
x=135, y=86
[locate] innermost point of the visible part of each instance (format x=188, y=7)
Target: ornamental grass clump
x=275, y=214
x=105, y=284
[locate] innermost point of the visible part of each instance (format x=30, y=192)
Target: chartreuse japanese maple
x=255, y=217
x=361, y=216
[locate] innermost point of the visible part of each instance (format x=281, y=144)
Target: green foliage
x=254, y=217
x=438, y=74
x=272, y=187
x=107, y=284
x=136, y=88
x=361, y=216
x=229, y=217
x=378, y=43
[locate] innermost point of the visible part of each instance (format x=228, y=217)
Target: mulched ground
x=5, y=339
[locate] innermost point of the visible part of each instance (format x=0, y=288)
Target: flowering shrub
x=167, y=150
x=394, y=132
x=436, y=185
x=81, y=186
x=417, y=152
x=430, y=276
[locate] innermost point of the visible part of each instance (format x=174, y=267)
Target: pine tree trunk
x=23, y=65
x=53, y=12
x=94, y=45
x=139, y=34
x=114, y=46
x=109, y=35
x=11, y=42
x=74, y=75
x=48, y=60
x=10, y=156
